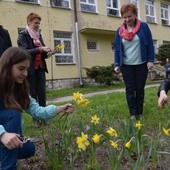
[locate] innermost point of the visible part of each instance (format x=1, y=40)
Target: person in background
x=5, y=40
x=167, y=68
x=14, y=99
x=31, y=40
x=162, y=93
x=134, y=56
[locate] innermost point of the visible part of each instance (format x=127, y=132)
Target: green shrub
x=163, y=53
x=102, y=74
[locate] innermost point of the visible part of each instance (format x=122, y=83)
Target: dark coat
x=26, y=42
x=5, y=40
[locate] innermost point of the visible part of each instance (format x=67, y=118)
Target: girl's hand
x=65, y=108
x=11, y=140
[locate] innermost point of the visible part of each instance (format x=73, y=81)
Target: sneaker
x=44, y=122
x=132, y=117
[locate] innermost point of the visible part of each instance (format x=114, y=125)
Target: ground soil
x=38, y=161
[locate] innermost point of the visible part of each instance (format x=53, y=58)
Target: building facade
x=85, y=27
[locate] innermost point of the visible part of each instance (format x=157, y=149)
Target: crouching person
x=14, y=99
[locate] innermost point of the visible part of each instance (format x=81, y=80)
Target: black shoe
x=37, y=123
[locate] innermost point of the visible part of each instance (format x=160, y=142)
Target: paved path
x=69, y=98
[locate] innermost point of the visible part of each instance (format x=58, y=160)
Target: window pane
x=65, y=55
x=115, y=4
x=113, y=12
x=88, y=5
x=92, y=45
x=60, y=3
x=88, y=8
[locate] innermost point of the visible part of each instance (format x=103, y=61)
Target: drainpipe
x=77, y=42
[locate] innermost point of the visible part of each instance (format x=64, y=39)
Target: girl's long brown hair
x=13, y=94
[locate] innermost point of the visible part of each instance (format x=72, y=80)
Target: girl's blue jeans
x=11, y=120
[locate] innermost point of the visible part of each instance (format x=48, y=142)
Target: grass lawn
x=112, y=111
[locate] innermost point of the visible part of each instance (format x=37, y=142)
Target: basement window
x=92, y=45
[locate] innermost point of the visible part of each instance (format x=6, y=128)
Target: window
x=166, y=42
x=113, y=8
x=20, y=29
x=165, y=14
x=29, y=1
x=155, y=44
x=88, y=6
x=150, y=11
x=60, y=3
x=134, y=2
x=66, y=54
x=92, y=45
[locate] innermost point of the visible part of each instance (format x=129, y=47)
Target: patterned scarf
x=123, y=32
x=35, y=35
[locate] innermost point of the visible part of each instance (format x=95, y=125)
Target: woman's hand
x=117, y=70
x=46, y=49
x=11, y=140
x=163, y=98
x=150, y=65
x=65, y=108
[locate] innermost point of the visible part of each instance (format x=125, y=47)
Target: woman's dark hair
x=129, y=7
x=13, y=94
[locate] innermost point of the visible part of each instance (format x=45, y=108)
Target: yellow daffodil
x=83, y=102
x=82, y=141
x=112, y=132
x=96, y=138
x=77, y=96
x=95, y=119
x=60, y=47
x=138, y=125
x=114, y=144
x=166, y=131
x=128, y=145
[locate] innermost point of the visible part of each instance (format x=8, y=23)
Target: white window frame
x=150, y=7
x=63, y=52
x=165, y=14
x=89, y=3
x=52, y=2
x=111, y=9
x=97, y=45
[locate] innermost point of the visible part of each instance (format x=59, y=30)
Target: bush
x=102, y=74
x=163, y=53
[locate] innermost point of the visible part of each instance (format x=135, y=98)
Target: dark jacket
x=26, y=42
x=165, y=85
x=5, y=40
x=146, y=45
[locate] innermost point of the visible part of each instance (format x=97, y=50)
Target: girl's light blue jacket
x=38, y=112
x=146, y=44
